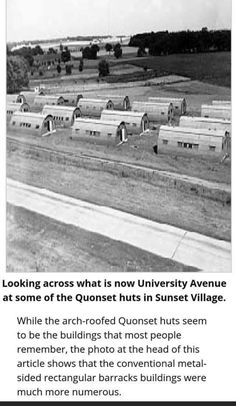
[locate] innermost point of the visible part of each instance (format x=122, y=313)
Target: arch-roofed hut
x=216, y=111
x=15, y=98
x=120, y=102
x=191, y=140
x=157, y=112
x=93, y=107
x=11, y=108
x=99, y=130
x=207, y=123
x=136, y=122
x=54, y=100
x=63, y=116
x=32, y=123
x=71, y=99
x=179, y=104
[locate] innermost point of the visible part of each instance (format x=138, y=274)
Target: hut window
x=162, y=113
x=195, y=146
x=165, y=142
x=134, y=125
x=180, y=144
x=13, y=123
x=67, y=118
x=212, y=147
x=37, y=126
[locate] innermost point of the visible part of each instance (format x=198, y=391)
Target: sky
x=46, y=19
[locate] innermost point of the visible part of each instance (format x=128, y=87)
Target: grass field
x=214, y=68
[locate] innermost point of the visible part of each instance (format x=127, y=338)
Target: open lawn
x=214, y=67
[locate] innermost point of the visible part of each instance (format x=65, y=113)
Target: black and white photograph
x=118, y=136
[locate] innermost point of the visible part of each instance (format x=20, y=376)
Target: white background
x=217, y=340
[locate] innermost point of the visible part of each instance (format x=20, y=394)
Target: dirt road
x=205, y=253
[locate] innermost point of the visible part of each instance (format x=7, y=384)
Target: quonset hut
x=13, y=107
x=157, y=112
x=191, y=140
x=135, y=122
x=120, y=102
x=63, y=116
x=179, y=104
x=216, y=111
x=93, y=107
x=41, y=101
x=71, y=99
x=30, y=96
x=32, y=123
x=15, y=98
x=99, y=131
x=207, y=123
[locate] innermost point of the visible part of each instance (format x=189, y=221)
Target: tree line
x=165, y=42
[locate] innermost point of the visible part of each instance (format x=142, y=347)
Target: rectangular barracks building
x=30, y=123
x=93, y=107
x=135, y=122
x=157, y=112
x=119, y=102
x=192, y=140
x=63, y=116
x=179, y=104
x=13, y=107
x=216, y=111
x=207, y=123
x=99, y=131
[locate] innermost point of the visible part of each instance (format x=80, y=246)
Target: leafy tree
x=37, y=50
x=141, y=52
x=117, y=51
x=90, y=52
x=66, y=55
x=52, y=51
x=68, y=69
x=17, y=74
x=58, y=69
x=81, y=65
x=103, y=68
x=108, y=48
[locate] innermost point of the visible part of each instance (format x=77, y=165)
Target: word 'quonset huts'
x=32, y=123
x=157, y=112
x=114, y=132
x=135, y=122
x=63, y=116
